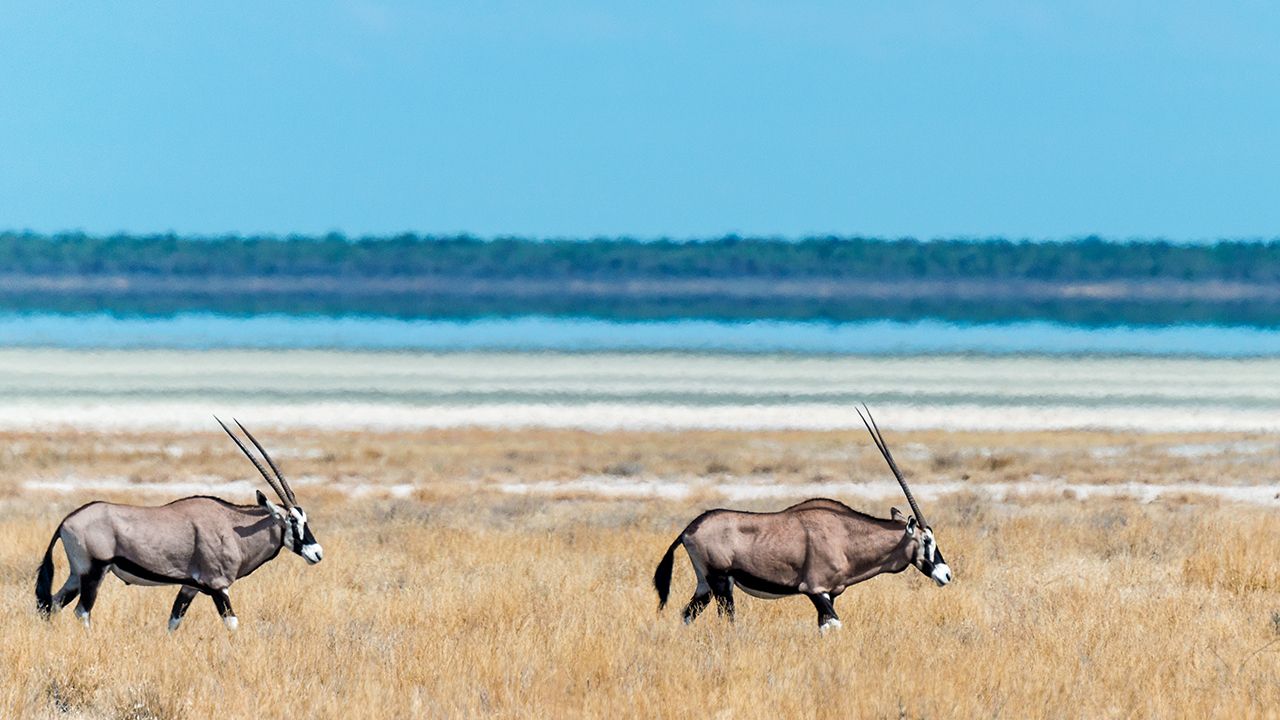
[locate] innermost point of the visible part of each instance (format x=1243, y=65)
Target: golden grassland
x=460, y=600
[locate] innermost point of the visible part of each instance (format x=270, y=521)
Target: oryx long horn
x=270, y=481
x=293, y=499
x=884, y=450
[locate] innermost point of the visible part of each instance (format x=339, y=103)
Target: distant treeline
x=1087, y=259
x=1085, y=282
x=1083, y=312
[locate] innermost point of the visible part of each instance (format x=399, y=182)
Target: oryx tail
x=44, y=578
x=662, y=576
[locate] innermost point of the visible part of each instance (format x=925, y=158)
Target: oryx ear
x=273, y=508
x=911, y=526
x=897, y=515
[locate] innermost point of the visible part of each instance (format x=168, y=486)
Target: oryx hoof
x=830, y=624
x=232, y=622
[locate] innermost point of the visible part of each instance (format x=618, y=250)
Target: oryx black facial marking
x=202, y=543
x=931, y=562
x=299, y=539
x=817, y=548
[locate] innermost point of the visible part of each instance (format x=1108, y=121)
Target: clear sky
x=683, y=119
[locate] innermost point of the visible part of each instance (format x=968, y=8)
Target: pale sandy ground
x=167, y=390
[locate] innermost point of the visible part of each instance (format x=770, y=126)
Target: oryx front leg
x=827, y=618
x=223, y=602
x=180, y=605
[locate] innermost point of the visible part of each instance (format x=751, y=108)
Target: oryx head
x=922, y=548
x=296, y=531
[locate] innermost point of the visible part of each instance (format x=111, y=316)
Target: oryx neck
x=262, y=544
x=880, y=546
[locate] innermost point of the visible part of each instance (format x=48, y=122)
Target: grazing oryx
x=201, y=543
x=817, y=548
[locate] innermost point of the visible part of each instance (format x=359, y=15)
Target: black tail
x=44, y=578
x=662, y=576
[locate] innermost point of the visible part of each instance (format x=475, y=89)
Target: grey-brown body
x=202, y=543
x=817, y=548
x=841, y=547
x=205, y=541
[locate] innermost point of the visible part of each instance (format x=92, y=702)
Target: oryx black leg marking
x=223, y=602
x=722, y=589
x=826, y=609
x=696, y=605
x=70, y=590
x=180, y=605
x=89, y=583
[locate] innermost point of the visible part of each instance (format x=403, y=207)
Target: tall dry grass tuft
x=1235, y=553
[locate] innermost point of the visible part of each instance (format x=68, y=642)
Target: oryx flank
x=201, y=543
x=817, y=548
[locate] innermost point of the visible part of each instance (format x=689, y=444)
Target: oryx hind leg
x=78, y=563
x=701, y=594
x=222, y=601
x=697, y=604
x=722, y=589
x=180, y=605
x=68, y=592
x=89, y=583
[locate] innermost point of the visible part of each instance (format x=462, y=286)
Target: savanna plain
x=508, y=574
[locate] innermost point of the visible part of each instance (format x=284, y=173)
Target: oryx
x=817, y=548
x=201, y=543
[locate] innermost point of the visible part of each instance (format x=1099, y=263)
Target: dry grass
x=450, y=456
x=459, y=601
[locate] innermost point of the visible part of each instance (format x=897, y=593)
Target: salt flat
x=174, y=389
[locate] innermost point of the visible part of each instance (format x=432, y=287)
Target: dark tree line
x=1087, y=259
x=1082, y=312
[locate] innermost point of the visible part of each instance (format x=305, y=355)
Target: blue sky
x=649, y=119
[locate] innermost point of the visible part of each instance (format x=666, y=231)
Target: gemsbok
x=817, y=548
x=201, y=543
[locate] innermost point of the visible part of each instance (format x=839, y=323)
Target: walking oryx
x=201, y=543
x=817, y=548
